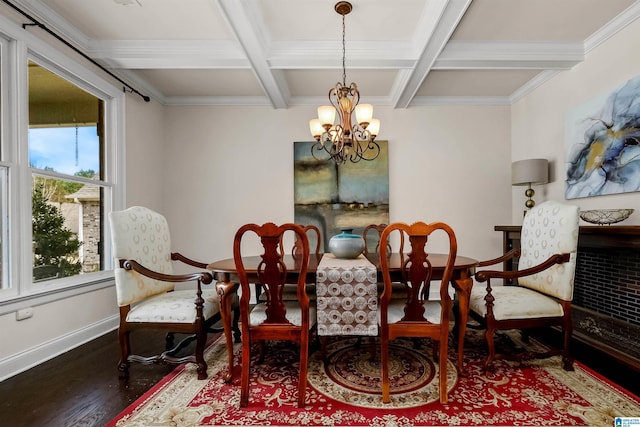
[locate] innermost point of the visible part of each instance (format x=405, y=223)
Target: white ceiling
x=289, y=52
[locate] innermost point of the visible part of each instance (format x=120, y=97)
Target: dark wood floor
x=81, y=388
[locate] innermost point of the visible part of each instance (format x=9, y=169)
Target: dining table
x=227, y=283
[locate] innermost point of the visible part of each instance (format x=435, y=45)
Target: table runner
x=346, y=296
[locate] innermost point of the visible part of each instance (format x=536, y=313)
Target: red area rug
x=346, y=391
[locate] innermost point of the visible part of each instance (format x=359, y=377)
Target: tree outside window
x=55, y=247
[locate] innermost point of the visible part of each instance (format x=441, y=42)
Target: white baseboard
x=34, y=356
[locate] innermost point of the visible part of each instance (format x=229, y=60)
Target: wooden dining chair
x=314, y=232
x=416, y=315
x=290, y=292
x=542, y=291
x=145, y=290
x=372, y=234
x=274, y=318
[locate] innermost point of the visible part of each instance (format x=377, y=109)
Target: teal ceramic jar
x=346, y=244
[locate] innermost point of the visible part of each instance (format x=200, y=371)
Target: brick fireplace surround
x=606, y=301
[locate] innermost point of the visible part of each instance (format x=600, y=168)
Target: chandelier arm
x=373, y=150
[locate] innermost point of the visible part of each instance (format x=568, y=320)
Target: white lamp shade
x=374, y=127
x=364, y=113
x=326, y=115
x=530, y=172
x=315, y=127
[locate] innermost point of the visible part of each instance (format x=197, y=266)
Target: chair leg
x=491, y=348
x=384, y=367
x=442, y=361
x=169, y=341
x=302, y=378
x=201, y=339
x=244, y=378
x=236, y=321
x=123, y=365
x=567, y=360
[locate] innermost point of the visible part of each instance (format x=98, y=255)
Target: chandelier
x=347, y=139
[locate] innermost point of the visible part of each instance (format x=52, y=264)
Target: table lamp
x=530, y=172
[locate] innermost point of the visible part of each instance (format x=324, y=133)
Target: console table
x=606, y=303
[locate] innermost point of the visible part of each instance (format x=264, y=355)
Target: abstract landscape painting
x=602, y=144
x=333, y=198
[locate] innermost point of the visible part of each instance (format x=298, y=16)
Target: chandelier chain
x=344, y=54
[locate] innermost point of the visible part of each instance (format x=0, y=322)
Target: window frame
x=19, y=46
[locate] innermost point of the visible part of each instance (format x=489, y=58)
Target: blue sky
x=55, y=148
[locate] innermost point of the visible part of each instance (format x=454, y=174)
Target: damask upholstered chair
x=415, y=315
x=145, y=290
x=274, y=318
x=543, y=283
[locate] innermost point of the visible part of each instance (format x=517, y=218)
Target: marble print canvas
x=336, y=197
x=602, y=144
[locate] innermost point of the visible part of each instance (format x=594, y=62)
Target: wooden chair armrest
x=177, y=256
x=513, y=253
x=483, y=276
x=202, y=277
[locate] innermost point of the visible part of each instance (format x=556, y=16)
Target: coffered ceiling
x=289, y=52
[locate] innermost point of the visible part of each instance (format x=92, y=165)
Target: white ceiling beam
x=169, y=54
x=450, y=13
x=247, y=23
x=328, y=55
x=509, y=55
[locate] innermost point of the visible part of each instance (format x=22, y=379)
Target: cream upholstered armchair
x=145, y=290
x=543, y=283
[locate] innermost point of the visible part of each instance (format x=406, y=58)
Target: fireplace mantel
x=591, y=236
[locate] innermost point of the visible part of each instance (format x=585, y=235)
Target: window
x=4, y=173
x=66, y=148
x=4, y=235
x=60, y=142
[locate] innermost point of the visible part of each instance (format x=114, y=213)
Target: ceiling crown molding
x=509, y=55
x=610, y=29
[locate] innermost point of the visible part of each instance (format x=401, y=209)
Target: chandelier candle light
x=346, y=140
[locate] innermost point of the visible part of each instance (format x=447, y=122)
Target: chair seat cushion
x=432, y=311
x=293, y=315
x=514, y=302
x=174, y=307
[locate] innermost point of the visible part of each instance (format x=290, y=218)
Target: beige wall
x=145, y=163
x=54, y=329
x=538, y=120
x=226, y=166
